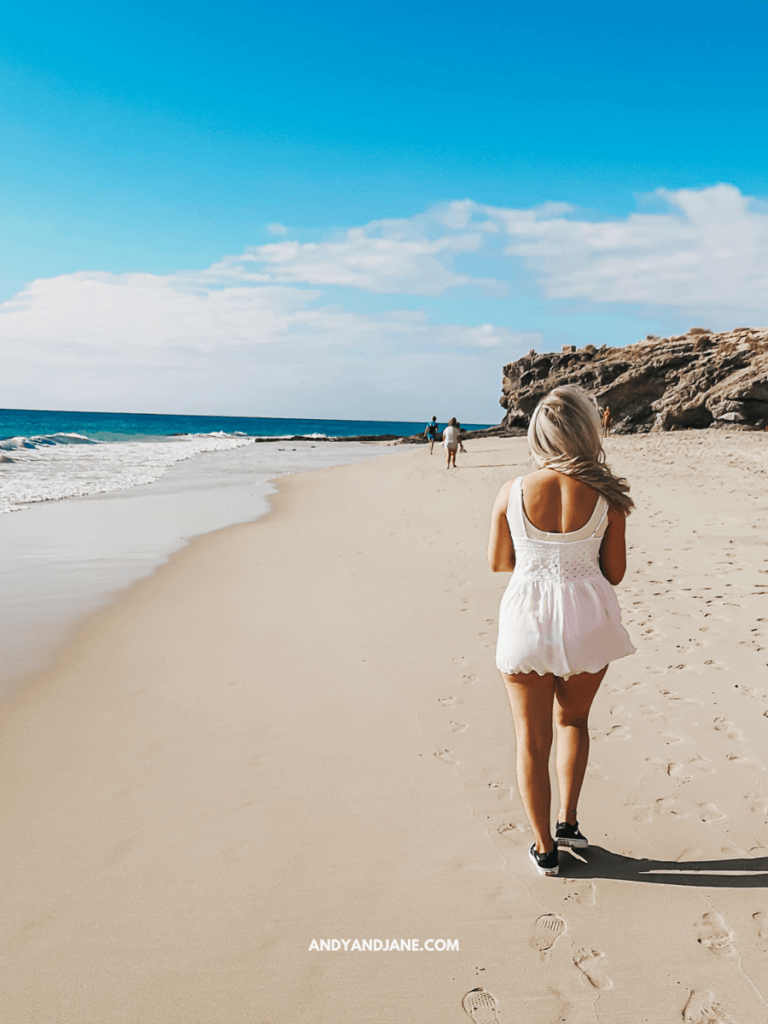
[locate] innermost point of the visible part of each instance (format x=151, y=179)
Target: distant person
x=451, y=441
x=461, y=446
x=560, y=532
x=431, y=433
x=607, y=421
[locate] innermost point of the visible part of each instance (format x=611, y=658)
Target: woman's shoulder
x=505, y=491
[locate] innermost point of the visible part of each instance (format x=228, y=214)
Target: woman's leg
x=531, y=697
x=573, y=699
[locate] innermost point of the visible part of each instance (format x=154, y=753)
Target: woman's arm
x=613, y=550
x=501, y=550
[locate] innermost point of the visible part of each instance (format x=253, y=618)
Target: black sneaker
x=569, y=835
x=545, y=863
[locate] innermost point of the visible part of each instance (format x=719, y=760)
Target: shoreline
x=203, y=786
x=68, y=557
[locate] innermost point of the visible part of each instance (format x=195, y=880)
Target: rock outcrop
x=699, y=379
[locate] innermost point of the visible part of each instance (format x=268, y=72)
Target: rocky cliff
x=698, y=379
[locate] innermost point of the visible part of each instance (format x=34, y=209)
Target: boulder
x=699, y=379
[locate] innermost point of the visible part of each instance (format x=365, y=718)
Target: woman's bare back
x=556, y=503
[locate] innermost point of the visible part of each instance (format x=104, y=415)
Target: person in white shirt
x=451, y=441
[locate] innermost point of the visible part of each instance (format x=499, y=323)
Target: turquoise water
x=122, y=426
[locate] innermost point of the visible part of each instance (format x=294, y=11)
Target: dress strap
x=602, y=525
x=515, y=516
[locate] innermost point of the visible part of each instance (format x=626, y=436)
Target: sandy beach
x=295, y=731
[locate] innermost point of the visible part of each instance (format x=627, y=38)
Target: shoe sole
x=575, y=844
x=549, y=872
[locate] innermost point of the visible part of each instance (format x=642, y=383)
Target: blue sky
x=145, y=145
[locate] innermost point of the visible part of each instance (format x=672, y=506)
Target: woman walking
x=451, y=437
x=560, y=532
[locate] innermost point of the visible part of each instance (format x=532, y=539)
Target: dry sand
x=295, y=731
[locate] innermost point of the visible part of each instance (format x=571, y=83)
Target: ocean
x=50, y=455
x=95, y=501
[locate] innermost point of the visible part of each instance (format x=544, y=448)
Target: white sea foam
x=9, y=444
x=54, y=466
x=291, y=437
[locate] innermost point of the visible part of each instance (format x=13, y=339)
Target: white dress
x=451, y=437
x=559, y=613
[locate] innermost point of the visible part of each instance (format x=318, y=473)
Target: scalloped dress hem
x=559, y=614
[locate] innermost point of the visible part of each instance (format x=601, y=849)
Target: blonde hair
x=564, y=435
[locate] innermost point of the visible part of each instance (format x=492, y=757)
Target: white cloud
x=709, y=253
x=412, y=256
x=120, y=312
x=277, y=229
x=205, y=341
x=259, y=329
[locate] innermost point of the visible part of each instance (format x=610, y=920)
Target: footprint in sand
x=702, y=1008
x=715, y=934
x=508, y=827
x=616, y=732
x=459, y=726
x=469, y=679
x=674, y=769
x=761, y=920
x=642, y=814
x=650, y=712
x=747, y=691
x=481, y=1006
x=586, y=895
x=680, y=769
x=668, y=805
x=625, y=689
x=621, y=712
x=710, y=814
x=446, y=756
x=548, y=929
x=588, y=962
x=722, y=725
x=672, y=696
x=447, y=702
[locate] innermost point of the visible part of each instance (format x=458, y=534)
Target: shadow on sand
x=730, y=873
